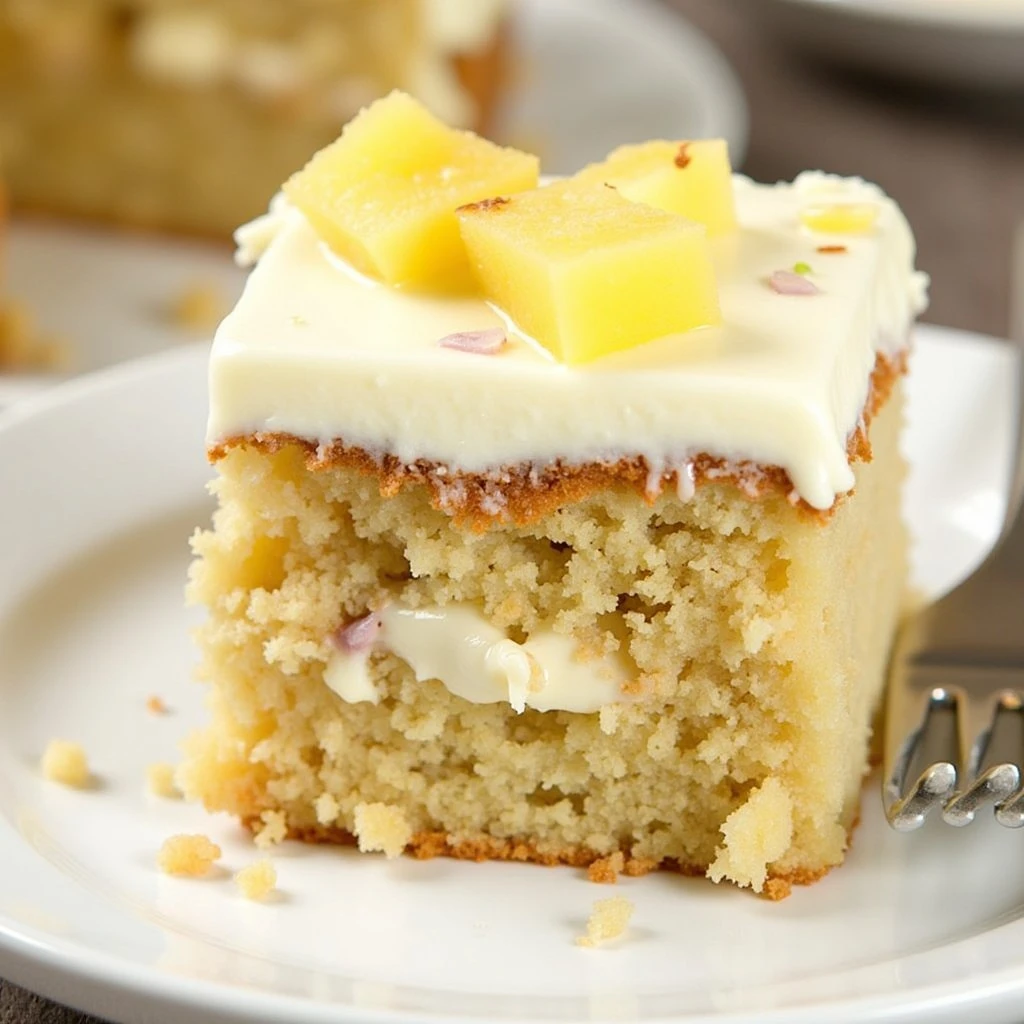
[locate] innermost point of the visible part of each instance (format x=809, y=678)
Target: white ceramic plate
x=103, y=482
x=948, y=42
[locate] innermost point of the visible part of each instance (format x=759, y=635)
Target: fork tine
x=987, y=771
x=1008, y=736
x=927, y=755
x=1011, y=813
x=933, y=787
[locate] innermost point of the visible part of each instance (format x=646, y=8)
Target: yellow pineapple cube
x=384, y=195
x=693, y=179
x=587, y=273
x=840, y=218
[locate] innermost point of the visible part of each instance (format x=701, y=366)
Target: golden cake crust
x=427, y=845
x=524, y=493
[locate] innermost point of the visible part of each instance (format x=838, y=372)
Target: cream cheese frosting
x=315, y=351
x=476, y=661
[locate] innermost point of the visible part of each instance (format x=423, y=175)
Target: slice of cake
x=183, y=115
x=595, y=560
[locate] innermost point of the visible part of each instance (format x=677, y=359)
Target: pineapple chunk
x=840, y=218
x=384, y=195
x=586, y=273
x=690, y=178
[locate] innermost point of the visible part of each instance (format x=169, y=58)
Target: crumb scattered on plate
x=607, y=921
x=382, y=828
x=66, y=763
x=200, y=307
x=257, y=881
x=160, y=780
x=188, y=856
x=24, y=345
x=274, y=830
x=155, y=705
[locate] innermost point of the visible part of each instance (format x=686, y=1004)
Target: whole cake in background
x=555, y=523
x=188, y=114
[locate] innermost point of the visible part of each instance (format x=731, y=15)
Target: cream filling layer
x=477, y=662
x=322, y=354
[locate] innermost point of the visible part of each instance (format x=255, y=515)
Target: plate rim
x=723, y=102
x=977, y=15
x=53, y=966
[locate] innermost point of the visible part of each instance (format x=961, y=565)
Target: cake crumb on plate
x=200, y=307
x=160, y=780
x=257, y=881
x=188, y=856
x=155, y=705
x=382, y=828
x=24, y=345
x=607, y=921
x=66, y=763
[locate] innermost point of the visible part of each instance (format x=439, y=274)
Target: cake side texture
x=756, y=639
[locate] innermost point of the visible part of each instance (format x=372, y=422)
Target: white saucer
x=597, y=74
x=103, y=483
x=947, y=42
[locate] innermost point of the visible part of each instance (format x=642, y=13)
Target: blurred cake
x=188, y=115
x=555, y=524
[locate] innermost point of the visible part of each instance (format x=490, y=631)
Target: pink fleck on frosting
x=358, y=636
x=786, y=282
x=485, y=343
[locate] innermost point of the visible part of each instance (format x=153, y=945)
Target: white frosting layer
x=474, y=660
x=317, y=352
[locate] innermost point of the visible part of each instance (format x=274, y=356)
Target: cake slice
x=469, y=598
x=188, y=116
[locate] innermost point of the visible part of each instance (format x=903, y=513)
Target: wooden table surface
x=955, y=164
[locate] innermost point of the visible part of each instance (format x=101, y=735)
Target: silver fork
x=954, y=724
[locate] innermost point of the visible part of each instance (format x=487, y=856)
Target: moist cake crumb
x=382, y=828
x=66, y=763
x=188, y=856
x=756, y=834
x=607, y=921
x=327, y=809
x=156, y=706
x=606, y=870
x=273, y=831
x=199, y=308
x=160, y=781
x=257, y=881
